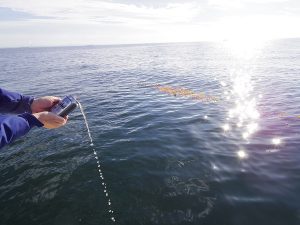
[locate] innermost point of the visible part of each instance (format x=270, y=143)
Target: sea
x=201, y=133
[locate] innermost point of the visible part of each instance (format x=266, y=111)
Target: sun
x=244, y=47
x=244, y=38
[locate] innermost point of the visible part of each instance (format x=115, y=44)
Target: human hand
x=50, y=120
x=44, y=103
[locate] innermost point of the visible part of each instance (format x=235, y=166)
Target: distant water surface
x=166, y=158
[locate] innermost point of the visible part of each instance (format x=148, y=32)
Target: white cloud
x=259, y=27
x=240, y=3
x=103, y=11
x=75, y=22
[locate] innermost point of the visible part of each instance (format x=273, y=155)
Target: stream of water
x=103, y=183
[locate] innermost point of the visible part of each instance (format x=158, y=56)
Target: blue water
x=167, y=159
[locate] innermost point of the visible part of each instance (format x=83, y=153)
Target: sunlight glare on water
x=242, y=154
x=243, y=115
x=276, y=141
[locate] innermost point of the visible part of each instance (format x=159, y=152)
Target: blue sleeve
x=11, y=102
x=12, y=127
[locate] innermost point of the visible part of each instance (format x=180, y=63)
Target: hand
x=50, y=120
x=44, y=103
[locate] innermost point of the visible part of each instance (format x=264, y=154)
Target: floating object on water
x=184, y=92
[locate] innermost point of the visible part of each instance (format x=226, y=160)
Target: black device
x=65, y=106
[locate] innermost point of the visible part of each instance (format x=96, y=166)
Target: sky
x=28, y=23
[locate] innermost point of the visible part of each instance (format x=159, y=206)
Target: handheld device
x=65, y=106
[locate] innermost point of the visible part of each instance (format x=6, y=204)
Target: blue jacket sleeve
x=11, y=102
x=12, y=127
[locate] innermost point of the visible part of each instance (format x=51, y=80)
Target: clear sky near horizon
x=91, y=22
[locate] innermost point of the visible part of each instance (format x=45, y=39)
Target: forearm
x=12, y=102
x=12, y=127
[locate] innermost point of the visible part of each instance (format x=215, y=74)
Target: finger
x=55, y=99
x=56, y=124
x=64, y=121
x=55, y=118
x=60, y=120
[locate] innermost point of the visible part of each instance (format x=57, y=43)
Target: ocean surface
x=168, y=157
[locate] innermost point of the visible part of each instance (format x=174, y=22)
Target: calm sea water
x=167, y=159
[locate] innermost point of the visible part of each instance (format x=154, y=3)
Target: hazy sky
x=86, y=22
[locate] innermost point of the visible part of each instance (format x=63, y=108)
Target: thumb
x=55, y=100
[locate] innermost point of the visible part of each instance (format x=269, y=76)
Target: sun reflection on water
x=276, y=141
x=243, y=116
x=244, y=113
x=226, y=127
x=242, y=154
x=239, y=90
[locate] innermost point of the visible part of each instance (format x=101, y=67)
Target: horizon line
x=132, y=44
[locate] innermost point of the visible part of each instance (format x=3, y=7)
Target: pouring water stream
x=109, y=206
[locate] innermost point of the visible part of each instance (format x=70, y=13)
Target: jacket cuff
x=32, y=120
x=27, y=101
